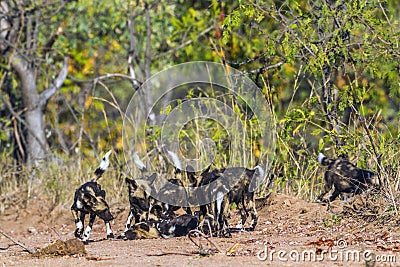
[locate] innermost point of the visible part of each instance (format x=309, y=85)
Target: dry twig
x=171, y=253
x=30, y=250
x=190, y=235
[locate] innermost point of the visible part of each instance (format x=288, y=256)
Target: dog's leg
x=253, y=213
x=201, y=214
x=218, y=211
x=223, y=222
x=109, y=230
x=334, y=195
x=89, y=227
x=79, y=218
x=243, y=215
x=128, y=222
x=327, y=186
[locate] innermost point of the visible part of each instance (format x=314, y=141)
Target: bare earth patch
x=290, y=232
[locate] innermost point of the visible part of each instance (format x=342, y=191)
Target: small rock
x=32, y=230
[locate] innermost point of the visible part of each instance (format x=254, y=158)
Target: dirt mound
x=62, y=248
x=283, y=207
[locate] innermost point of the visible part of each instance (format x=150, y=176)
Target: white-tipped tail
x=138, y=162
x=175, y=160
x=105, y=162
x=321, y=157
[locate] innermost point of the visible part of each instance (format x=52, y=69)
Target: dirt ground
x=290, y=232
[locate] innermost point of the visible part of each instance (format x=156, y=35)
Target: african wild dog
x=167, y=226
x=345, y=177
x=153, y=218
x=90, y=199
x=162, y=224
x=239, y=194
x=143, y=207
x=140, y=204
x=177, y=226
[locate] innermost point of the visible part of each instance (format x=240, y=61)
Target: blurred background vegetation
x=329, y=69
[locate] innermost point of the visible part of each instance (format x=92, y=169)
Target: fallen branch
x=30, y=250
x=8, y=246
x=171, y=253
x=95, y=258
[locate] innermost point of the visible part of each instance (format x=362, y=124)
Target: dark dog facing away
x=90, y=199
x=345, y=177
x=239, y=194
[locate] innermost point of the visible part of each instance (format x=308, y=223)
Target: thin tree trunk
x=37, y=146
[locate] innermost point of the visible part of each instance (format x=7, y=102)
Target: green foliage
x=329, y=70
x=333, y=220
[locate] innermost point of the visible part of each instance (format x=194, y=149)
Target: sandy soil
x=290, y=232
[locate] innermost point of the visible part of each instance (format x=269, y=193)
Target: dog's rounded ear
x=257, y=178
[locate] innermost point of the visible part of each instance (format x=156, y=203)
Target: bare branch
x=58, y=82
x=265, y=68
x=132, y=51
x=106, y=76
x=193, y=232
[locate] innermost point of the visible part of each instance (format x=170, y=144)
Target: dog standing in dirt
x=239, y=194
x=140, y=204
x=90, y=199
x=345, y=177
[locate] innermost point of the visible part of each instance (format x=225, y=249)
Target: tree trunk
x=22, y=53
x=37, y=144
x=35, y=104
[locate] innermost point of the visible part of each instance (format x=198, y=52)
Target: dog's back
x=90, y=198
x=239, y=194
x=344, y=176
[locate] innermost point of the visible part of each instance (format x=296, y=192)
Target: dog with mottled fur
x=216, y=213
x=89, y=199
x=144, y=209
x=142, y=206
x=167, y=226
x=345, y=177
x=239, y=194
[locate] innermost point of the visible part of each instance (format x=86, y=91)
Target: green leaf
x=321, y=144
x=98, y=105
x=316, y=132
